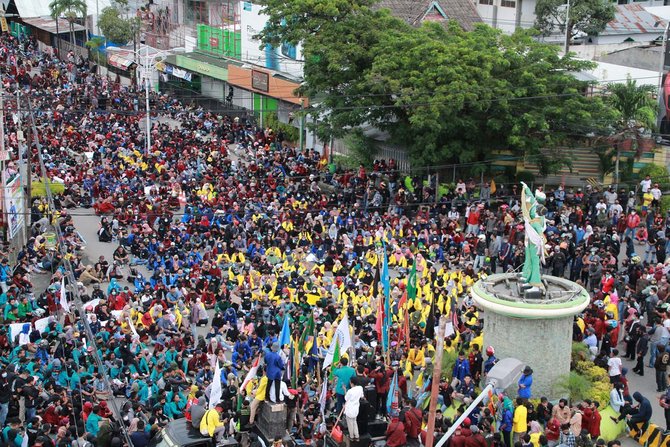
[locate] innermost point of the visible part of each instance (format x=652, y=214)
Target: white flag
x=216, y=392
x=343, y=334
x=132, y=327
x=63, y=297
x=25, y=440
x=322, y=397
x=251, y=374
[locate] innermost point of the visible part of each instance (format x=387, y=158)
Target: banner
x=14, y=205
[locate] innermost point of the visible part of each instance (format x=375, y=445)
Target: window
x=486, y=2
x=508, y=3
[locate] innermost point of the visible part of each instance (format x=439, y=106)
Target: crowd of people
x=238, y=254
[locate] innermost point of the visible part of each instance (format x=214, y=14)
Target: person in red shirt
x=476, y=439
x=553, y=430
x=632, y=221
x=395, y=432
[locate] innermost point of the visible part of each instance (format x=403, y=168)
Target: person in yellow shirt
x=259, y=396
x=520, y=422
x=416, y=357
x=211, y=424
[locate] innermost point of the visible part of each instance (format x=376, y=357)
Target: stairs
x=585, y=168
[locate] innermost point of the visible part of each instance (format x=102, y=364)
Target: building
x=416, y=12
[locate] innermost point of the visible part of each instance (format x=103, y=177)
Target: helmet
x=635, y=259
x=490, y=351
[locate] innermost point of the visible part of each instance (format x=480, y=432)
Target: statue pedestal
x=537, y=331
x=272, y=420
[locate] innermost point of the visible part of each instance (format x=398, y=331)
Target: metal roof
x=48, y=24
x=40, y=8
x=634, y=19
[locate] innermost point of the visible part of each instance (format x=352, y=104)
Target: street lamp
x=502, y=375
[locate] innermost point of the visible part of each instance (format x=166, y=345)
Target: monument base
x=535, y=330
x=271, y=421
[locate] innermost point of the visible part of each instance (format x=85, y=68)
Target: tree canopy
x=589, y=17
x=115, y=28
x=446, y=94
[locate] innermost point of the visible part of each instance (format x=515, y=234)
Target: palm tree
x=71, y=9
x=636, y=108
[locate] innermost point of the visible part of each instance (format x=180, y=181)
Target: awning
x=120, y=62
x=49, y=25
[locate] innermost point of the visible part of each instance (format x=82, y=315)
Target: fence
x=383, y=152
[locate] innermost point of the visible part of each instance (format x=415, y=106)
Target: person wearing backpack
x=395, y=432
x=412, y=418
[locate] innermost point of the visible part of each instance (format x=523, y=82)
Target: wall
x=277, y=88
x=213, y=88
x=286, y=59
x=647, y=58
x=544, y=345
x=619, y=39
x=507, y=16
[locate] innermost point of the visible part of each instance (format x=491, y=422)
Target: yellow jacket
x=416, y=357
x=210, y=421
x=520, y=423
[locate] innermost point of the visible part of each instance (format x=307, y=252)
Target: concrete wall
x=545, y=345
x=647, y=58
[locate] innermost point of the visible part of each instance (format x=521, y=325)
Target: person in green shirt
x=343, y=376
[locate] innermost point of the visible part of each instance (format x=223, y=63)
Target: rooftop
x=416, y=11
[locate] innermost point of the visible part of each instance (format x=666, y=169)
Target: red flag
x=380, y=320
x=403, y=300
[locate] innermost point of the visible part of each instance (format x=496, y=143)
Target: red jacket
x=476, y=440
x=395, y=434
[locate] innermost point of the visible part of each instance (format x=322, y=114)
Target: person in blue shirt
x=93, y=421
x=461, y=368
x=275, y=369
x=343, y=374
x=525, y=383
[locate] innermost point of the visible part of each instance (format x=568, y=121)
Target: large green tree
x=116, y=28
x=589, y=17
x=448, y=95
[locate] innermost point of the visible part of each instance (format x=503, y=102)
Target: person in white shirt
x=610, y=196
x=615, y=212
x=645, y=184
x=656, y=194
x=614, y=366
x=352, y=404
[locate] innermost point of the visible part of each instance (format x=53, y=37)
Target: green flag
x=336, y=358
x=411, y=282
x=308, y=331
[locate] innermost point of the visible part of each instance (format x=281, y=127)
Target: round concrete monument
x=527, y=315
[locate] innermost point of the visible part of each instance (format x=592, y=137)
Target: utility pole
x=146, y=92
x=435, y=385
x=567, y=29
x=24, y=149
x=302, y=124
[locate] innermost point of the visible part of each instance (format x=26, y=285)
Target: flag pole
x=435, y=386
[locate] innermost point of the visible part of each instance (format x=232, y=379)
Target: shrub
x=574, y=385
x=580, y=353
x=658, y=174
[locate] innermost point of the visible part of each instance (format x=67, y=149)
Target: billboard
x=14, y=205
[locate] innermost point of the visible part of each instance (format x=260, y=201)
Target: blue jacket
x=507, y=421
x=461, y=369
x=275, y=365
x=526, y=380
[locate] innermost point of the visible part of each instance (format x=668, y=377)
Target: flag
x=322, y=397
x=306, y=333
x=285, y=334
x=132, y=327
x=216, y=392
x=24, y=443
x=336, y=359
x=392, y=398
x=252, y=373
x=375, y=283
x=491, y=405
x=341, y=339
x=63, y=297
x=386, y=314
x=411, y=282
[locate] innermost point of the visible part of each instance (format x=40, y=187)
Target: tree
x=72, y=10
x=588, y=17
x=447, y=95
x=115, y=28
x=636, y=111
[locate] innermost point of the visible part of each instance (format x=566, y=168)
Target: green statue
x=535, y=224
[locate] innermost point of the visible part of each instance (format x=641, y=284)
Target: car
x=180, y=433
